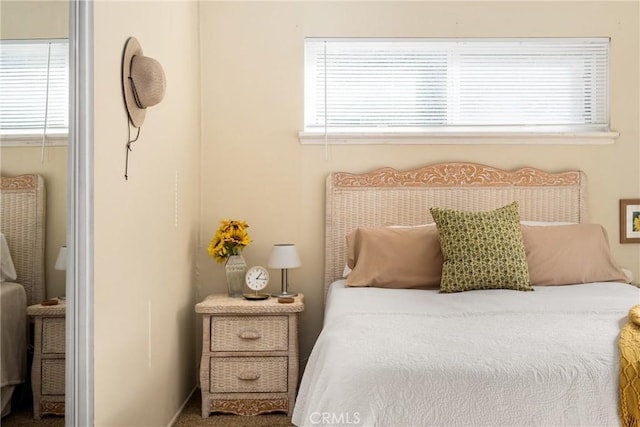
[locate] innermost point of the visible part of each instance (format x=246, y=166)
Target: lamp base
x=284, y=294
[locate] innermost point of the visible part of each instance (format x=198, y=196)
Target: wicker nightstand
x=47, y=372
x=249, y=359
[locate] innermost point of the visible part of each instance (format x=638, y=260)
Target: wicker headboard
x=23, y=224
x=387, y=196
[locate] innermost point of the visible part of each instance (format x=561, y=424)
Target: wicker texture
x=22, y=213
x=390, y=197
x=53, y=376
x=53, y=335
x=260, y=333
x=48, y=369
x=57, y=310
x=249, y=362
x=248, y=374
x=221, y=304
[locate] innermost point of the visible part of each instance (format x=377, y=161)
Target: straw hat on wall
x=143, y=81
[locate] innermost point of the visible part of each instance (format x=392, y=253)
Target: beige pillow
x=394, y=257
x=569, y=254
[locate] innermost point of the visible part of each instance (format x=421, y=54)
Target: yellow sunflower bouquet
x=230, y=239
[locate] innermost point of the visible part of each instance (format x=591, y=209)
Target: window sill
x=459, y=138
x=33, y=140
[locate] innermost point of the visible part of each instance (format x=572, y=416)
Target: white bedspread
x=492, y=357
x=13, y=326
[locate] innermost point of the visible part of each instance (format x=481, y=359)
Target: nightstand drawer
x=248, y=374
x=53, y=335
x=251, y=333
x=53, y=377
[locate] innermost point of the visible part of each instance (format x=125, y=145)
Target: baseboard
x=175, y=417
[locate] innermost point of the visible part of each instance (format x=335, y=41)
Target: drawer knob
x=248, y=376
x=249, y=334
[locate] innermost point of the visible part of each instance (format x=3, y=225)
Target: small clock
x=256, y=278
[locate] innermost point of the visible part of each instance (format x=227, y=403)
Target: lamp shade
x=61, y=261
x=284, y=256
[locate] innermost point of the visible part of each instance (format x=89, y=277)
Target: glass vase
x=235, y=268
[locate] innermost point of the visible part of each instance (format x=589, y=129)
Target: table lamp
x=61, y=261
x=284, y=256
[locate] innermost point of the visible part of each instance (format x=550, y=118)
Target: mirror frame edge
x=79, y=388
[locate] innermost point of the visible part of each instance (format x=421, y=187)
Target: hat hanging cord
x=129, y=140
x=136, y=97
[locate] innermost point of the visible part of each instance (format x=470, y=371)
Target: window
x=34, y=89
x=456, y=86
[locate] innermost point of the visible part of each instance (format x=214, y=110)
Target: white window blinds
x=421, y=85
x=34, y=87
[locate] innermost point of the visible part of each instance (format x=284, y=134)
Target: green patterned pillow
x=482, y=250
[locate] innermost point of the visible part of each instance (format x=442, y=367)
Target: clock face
x=257, y=278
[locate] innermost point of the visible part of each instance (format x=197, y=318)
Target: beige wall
x=145, y=228
x=252, y=87
x=33, y=20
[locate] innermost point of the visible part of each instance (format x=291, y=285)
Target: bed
x=494, y=357
x=22, y=226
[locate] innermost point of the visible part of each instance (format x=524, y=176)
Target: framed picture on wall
x=630, y=221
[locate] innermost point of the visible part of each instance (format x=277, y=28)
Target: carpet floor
x=21, y=416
